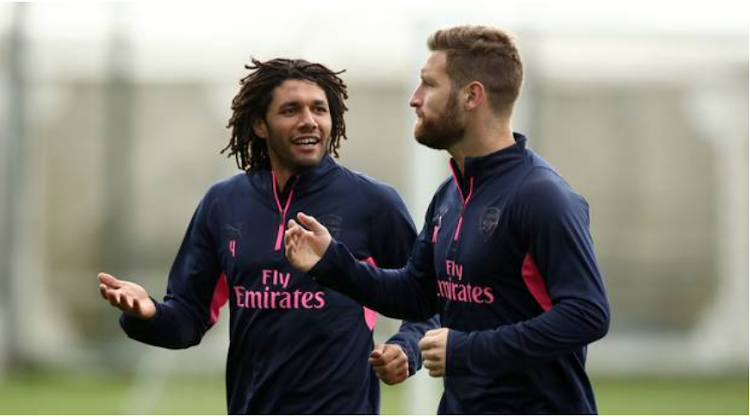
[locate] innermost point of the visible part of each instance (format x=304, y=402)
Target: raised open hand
x=306, y=245
x=129, y=297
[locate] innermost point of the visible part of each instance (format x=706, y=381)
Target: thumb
x=109, y=280
x=311, y=224
x=377, y=352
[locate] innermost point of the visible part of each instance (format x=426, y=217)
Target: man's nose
x=415, y=100
x=307, y=120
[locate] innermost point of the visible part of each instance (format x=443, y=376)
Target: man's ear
x=259, y=128
x=475, y=95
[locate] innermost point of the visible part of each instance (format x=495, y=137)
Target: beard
x=443, y=131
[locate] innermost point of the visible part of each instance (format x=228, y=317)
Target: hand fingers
x=396, y=365
x=312, y=224
x=431, y=354
x=117, y=298
x=391, y=352
x=291, y=224
x=114, y=298
x=103, y=291
x=109, y=280
x=392, y=360
x=426, y=342
x=377, y=352
x=288, y=244
x=392, y=378
x=392, y=371
x=125, y=302
x=433, y=332
x=129, y=302
x=290, y=233
x=435, y=368
x=293, y=233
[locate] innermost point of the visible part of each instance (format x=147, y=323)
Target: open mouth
x=306, y=142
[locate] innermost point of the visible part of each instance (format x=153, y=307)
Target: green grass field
x=90, y=394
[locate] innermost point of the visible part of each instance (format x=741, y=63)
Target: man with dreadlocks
x=295, y=346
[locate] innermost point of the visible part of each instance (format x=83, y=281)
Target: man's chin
x=421, y=138
x=427, y=141
x=308, y=161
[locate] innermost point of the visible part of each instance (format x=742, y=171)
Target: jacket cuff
x=130, y=323
x=411, y=357
x=329, y=263
x=457, y=355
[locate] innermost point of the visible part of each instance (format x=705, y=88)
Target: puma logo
x=234, y=230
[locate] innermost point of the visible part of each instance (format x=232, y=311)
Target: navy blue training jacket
x=295, y=347
x=506, y=258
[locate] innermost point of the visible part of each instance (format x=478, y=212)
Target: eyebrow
x=295, y=103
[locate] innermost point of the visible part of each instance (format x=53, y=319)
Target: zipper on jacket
x=282, y=211
x=436, y=229
x=461, y=214
x=465, y=202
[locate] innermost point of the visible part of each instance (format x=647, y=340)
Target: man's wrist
x=327, y=265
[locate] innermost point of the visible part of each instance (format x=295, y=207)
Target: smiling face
x=440, y=120
x=296, y=126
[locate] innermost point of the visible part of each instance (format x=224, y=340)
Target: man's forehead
x=435, y=64
x=294, y=89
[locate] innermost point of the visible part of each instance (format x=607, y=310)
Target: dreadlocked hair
x=256, y=92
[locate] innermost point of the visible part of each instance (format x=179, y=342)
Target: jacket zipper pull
x=280, y=233
x=458, y=227
x=436, y=230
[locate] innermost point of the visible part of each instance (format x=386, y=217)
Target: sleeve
x=407, y=293
x=194, y=291
x=392, y=231
x=554, y=224
x=392, y=235
x=408, y=337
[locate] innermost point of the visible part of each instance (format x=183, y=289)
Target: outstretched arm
x=407, y=293
x=190, y=306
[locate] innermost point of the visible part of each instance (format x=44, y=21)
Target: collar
x=313, y=178
x=308, y=181
x=478, y=168
x=495, y=163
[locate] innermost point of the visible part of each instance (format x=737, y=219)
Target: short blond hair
x=485, y=54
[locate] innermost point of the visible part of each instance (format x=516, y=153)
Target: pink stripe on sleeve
x=371, y=317
x=535, y=282
x=220, y=297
